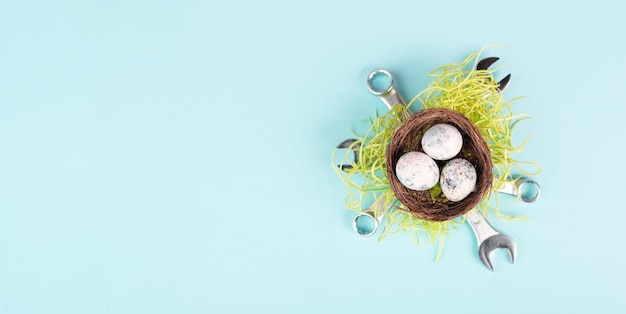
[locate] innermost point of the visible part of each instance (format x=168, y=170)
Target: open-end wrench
x=489, y=239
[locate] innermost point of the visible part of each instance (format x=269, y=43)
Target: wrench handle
x=482, y=229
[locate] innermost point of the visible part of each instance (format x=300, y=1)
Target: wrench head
x=498, y=241
x=354, y=146
x=484, y=64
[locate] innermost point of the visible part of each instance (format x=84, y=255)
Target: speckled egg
x=442, y=141
x=417, y=171
x=458, y=179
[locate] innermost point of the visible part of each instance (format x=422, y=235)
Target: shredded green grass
x=457, y=86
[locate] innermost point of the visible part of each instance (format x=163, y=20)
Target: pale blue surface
x=174, y=157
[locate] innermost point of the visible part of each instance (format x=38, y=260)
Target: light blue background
x=174, y=156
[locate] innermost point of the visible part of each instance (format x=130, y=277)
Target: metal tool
x=367, y=222
x=489, y=239
x=522, y=187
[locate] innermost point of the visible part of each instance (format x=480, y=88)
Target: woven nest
x=423, y=204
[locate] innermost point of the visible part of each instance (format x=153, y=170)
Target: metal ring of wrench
x=389, y=96
x=375, y=213
x=517, y=187
x=374, y=217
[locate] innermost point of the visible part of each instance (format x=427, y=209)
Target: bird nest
x=432, y=205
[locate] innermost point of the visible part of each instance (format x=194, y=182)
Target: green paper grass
x=457, y=86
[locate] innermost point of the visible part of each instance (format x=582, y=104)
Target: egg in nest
x=417, y=171
x=442, y=141
x=458, y=179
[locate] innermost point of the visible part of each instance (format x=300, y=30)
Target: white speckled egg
x=442, y=141
x=417, y=171
x=458, y=179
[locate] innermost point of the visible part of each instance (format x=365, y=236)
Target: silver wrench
x=489, y=239
x=373, y=216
